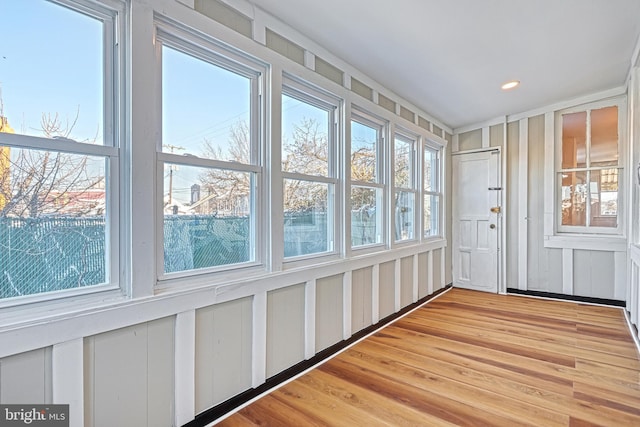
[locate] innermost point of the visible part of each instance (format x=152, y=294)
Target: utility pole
x=171, y=169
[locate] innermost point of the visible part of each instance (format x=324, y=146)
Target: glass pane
x=208, y=218
x=574, y=140
x=305, y=137
x=205, y=109
x=51, y=71
x=404, y=216
x=430, y=170
x=52, y=221
x=574, y=198
x=604, y=137
x=366, y=216
x=363, y=152
x=306, y=228
x=403, y=158
x=604, y=198
x=431, y=214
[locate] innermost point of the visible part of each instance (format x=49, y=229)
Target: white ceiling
x=449, y=57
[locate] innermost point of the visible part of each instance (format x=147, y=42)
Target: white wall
x=536, y=261
x=157, y=356
x=633, y=290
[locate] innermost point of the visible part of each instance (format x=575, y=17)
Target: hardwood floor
x=475, y=359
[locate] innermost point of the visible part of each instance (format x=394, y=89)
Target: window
x=309, y=171
x=589, y=167
x=58, y=148
x=210, y=158
x=367, y=188
x=431, y=192
x=404, y=167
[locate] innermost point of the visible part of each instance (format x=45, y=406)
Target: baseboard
x=577, y=298
x=212, y=414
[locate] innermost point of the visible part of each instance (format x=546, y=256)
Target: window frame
x=413, y=187
x=210, y=51
x=304, y=92
x=436, y=190
x=379, y=184
x=113, y=15
x=588, y=230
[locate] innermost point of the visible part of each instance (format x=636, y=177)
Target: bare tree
x=40, y=182
x=306, y=153
x=226, y=188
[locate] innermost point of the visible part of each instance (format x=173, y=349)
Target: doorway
x=477, y=216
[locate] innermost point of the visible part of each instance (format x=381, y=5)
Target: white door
x=476, y=207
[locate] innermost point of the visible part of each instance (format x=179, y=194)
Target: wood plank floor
x=473, y=359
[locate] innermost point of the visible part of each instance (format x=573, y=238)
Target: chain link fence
x=50, y=254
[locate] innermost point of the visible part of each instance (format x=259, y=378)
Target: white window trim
x=184, y=40
x=113, y=14
x=591, y=238
x=381, y=126
x=299, y=89
x=439, y=151
x=413, y=188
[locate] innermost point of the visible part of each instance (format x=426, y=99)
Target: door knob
x=495, y=209
x=492, y=226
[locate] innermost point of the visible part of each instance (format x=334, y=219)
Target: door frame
x=502, y=239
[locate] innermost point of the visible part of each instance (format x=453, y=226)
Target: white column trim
x=506, y=209
x=567, y=271
x=67, y=360
x=310, y=319
x=416, y=278
x=442, y=267
x=397, y=285
x=259, y=340
x=429, y=272
x=375, y=294
x=549, y=172
x=185, y=367
x=347, y=290
x=274, y=201
x=523, y=203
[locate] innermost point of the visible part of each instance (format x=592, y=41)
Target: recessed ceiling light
x=510, y=85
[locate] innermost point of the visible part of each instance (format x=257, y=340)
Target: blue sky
x=49, y=63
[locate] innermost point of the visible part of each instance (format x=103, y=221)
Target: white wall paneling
x=329, y=311
x=285, y=338
x=67, y=365
x=26, y=377
x=620, y=271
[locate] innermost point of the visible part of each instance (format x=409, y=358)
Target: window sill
x=587, y=242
